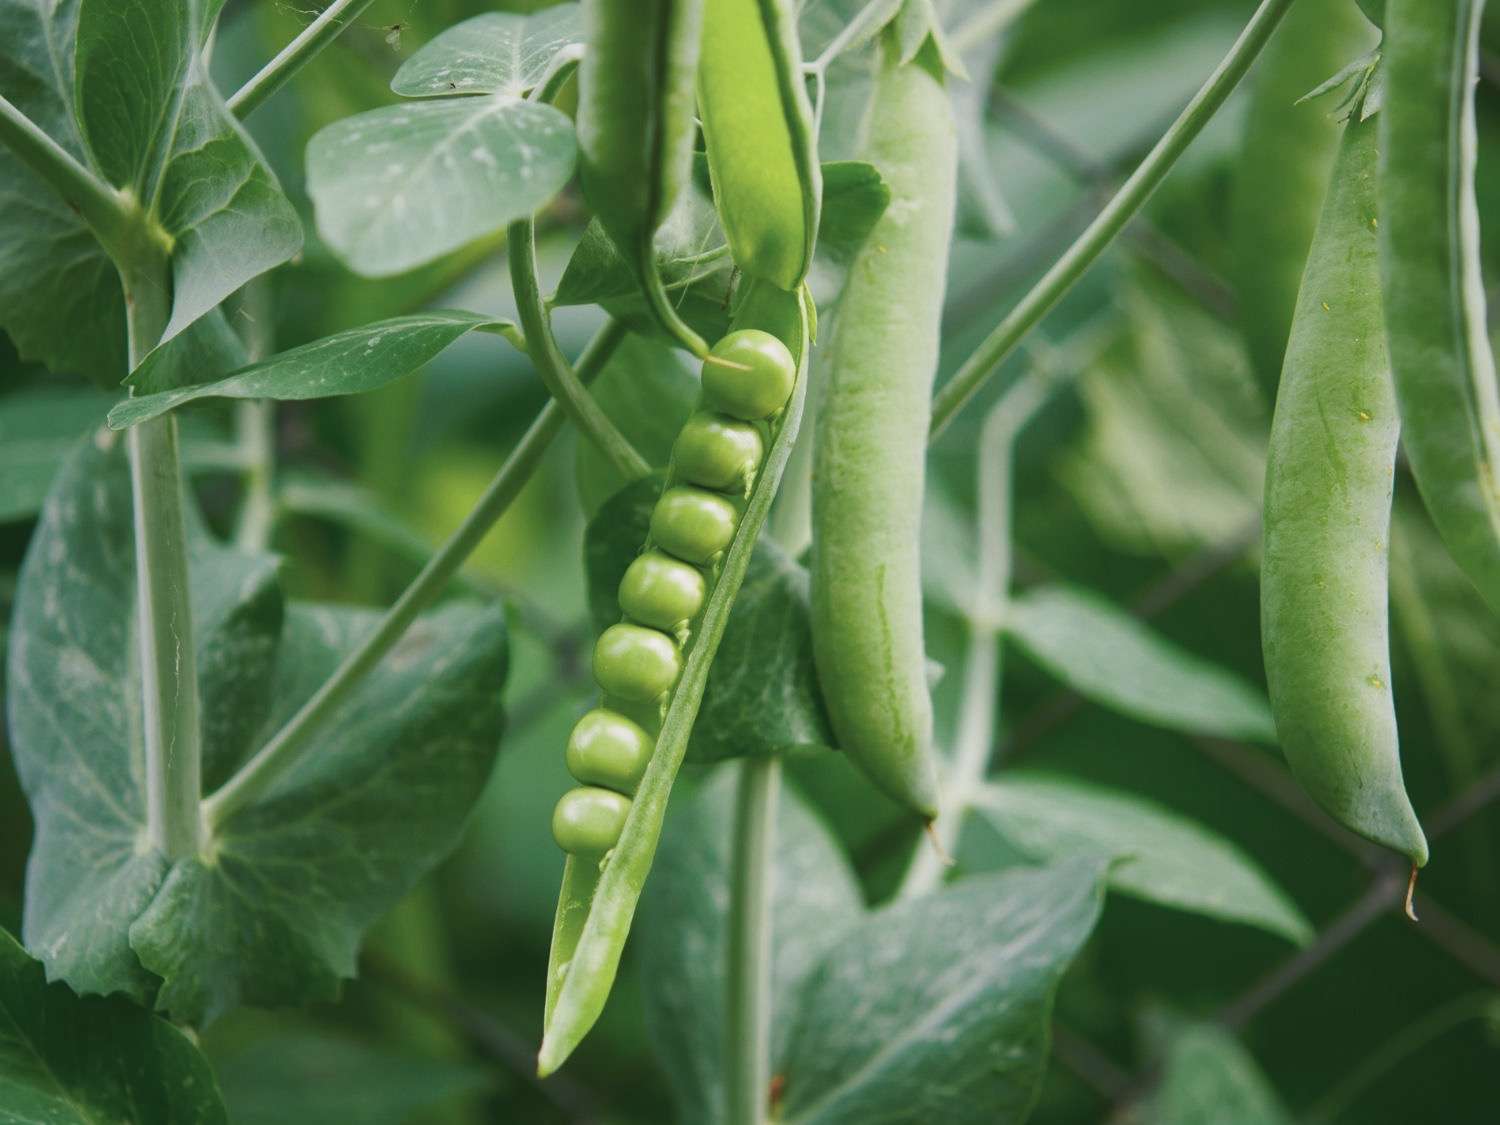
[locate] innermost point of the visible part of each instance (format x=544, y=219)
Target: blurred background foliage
x=1139, y=481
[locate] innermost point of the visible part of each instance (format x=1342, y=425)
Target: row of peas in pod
x=747, y=379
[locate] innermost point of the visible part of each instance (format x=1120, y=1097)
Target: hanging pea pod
x=1329, y=474
x=1430, y=277
x=635, y=130
x=762, y=147
x=653, y=666
x=871, y=449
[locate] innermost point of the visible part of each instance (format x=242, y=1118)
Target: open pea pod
x=1430, y=277
x=636, y=130
x=606, y=871
x=762, y=144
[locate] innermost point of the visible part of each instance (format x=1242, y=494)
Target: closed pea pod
x=1430, y=278
x=762, y=151
x=872, y=423
x=1329, y=475
x=636, y=130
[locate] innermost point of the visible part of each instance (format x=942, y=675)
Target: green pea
x=717, y=452
x=871, y=447
x=755, y=378
x=636, y=663
x=1431, y=279
x=1324, y=595
x=693, y=524
x=587, y=821
x=608, y=750
x=661, y=592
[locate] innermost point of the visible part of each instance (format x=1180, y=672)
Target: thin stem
x=255, y=421
x=164, y=623
x=979, y=705
x=288, y=745
x=863, y=26
x=986, y=360
x=748, y=1010
x=561, y=381
x=1411, y=1038
x=295, y=55
x=109, y=215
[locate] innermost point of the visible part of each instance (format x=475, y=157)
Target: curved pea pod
x=871, y=448
x=1324, y=598
x=1430, y=278
x=636, y=130
x=762, y=148
x=1284, y=163
x=648, y=690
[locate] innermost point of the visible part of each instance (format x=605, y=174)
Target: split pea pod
x=636, y=130
x=762, y=148
x=1430, y=277
x=653, y=666
x=1329, y=475
x=1283, y=169
x=870, y=453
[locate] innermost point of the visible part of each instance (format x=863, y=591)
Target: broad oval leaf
x=71, y=1061
x=404, y=184
x=1109, y=657
x=939, y=1008
x=684, y=933
x=345, y=363
x=493, y=53
x=273, y=910
x=1163, y=857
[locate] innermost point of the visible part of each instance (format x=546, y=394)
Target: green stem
x=289, y=743
x=979, y=705
x=748, y=1009
x=560, y=380
x=295, y=55
x=1076, y=260
x=109, y=215
x=164, y=624
x=255, y=422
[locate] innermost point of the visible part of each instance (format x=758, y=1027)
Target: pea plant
x=760, y=513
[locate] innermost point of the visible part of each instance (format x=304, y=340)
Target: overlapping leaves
x=139, y=111
x=401, y=185
x=273, y=909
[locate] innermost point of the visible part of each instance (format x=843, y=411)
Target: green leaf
x=147, y=119
x=762, y=695
x=1163, y=857
x=71, y=1061
x=684, y=934
x=38, y=428
x=1108, y=656
x=156, y=127
x=273, y=911
x=312, y=1077
x=1210, y=1078
x=399, y=186
x=346, y=363
x=648, y=392
x=493, y=53
x=939, y=1008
